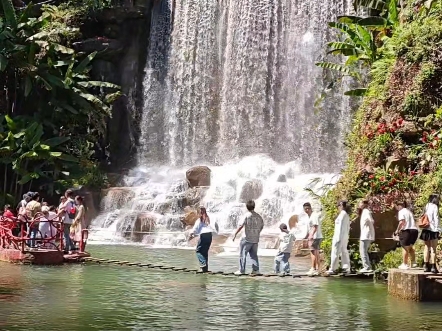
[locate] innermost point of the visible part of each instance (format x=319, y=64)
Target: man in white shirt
x=314, y=238
x=367, y=236
x=253, y=225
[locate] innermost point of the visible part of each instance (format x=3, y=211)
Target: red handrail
x=9, y=240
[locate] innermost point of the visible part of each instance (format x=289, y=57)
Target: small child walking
x=286, y=240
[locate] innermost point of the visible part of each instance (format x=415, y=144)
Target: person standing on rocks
x=314, y=238
x=367, y=235
x=253, y=225
x=340, y=241
x=204, y=229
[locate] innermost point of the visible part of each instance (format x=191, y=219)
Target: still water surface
x=107, y=297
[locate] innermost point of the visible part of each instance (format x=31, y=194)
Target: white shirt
x=342, y=227
x=67, y=206
x=286, y=241
x=405, y=214
x=203, y=227
x=367, y=225
x=432, y=211
x=315, y=220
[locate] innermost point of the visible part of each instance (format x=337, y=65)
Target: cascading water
x=231, y=84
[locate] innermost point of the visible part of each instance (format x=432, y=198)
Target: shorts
x=427, y=235
x=408, y=237
x=314, y=244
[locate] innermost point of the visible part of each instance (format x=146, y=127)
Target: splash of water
x=161, y=194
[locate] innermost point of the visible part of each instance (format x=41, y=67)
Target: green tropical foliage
x=360, y=39
x=49, y=102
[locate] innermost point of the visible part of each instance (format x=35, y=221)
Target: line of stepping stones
x=162, y=267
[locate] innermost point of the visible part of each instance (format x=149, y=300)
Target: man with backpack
x=67, y=213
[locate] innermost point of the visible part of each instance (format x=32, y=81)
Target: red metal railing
x=25, y=227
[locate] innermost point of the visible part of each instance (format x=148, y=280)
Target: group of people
x=43, y=221
x=407, y=233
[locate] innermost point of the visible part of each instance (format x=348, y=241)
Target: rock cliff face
x=121, y=36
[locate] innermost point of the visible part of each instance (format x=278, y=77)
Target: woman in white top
x=408, y=233
x=430, y=235
x=367, y=235
x=204, y=229
x=340, y=240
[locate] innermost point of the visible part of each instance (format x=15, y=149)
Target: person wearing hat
x=286, y=240
x=204, y=229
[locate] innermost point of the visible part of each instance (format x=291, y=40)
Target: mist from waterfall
x=232, y=84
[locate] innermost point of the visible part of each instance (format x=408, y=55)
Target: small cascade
x=154, y=212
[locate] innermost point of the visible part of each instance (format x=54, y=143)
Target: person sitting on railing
x=32, y=208
x=46, y=227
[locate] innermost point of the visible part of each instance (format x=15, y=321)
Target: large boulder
x=293, y=221
x=116, y=197
x=145, y=222
x=190, y=216
x=198, y=176
x=251, y=190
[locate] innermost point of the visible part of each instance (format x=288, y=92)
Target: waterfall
x=237, y=78
x=232, y=84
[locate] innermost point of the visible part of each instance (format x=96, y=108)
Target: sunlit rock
x=198, y=176
x=116, y=197
x=190, y=216
x=251, y=190
x=293, y=221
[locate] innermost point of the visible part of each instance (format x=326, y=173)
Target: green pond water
x=112, y=297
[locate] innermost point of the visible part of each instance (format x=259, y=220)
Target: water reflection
x=106, y=297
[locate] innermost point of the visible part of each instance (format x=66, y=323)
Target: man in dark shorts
x=314, y=238
x=408, y=233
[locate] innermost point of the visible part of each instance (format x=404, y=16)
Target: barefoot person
x=408, y=234
x=286, y=240
x=314, y=238
x=367, y=235
x=253, y=225
x=340, y=240
x=430, y=235
x=204, y=229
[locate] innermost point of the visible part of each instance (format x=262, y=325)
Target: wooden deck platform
x=414, y=284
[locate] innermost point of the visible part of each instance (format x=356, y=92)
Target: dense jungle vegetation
x=53, y=114
x=394, y=147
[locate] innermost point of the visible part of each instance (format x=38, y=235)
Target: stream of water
x=108, y=297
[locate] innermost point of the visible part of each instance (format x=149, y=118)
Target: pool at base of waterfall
x=112, y=297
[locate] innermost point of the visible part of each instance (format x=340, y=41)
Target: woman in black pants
x=204, y=229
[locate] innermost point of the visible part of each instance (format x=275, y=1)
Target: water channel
x=108, y=297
